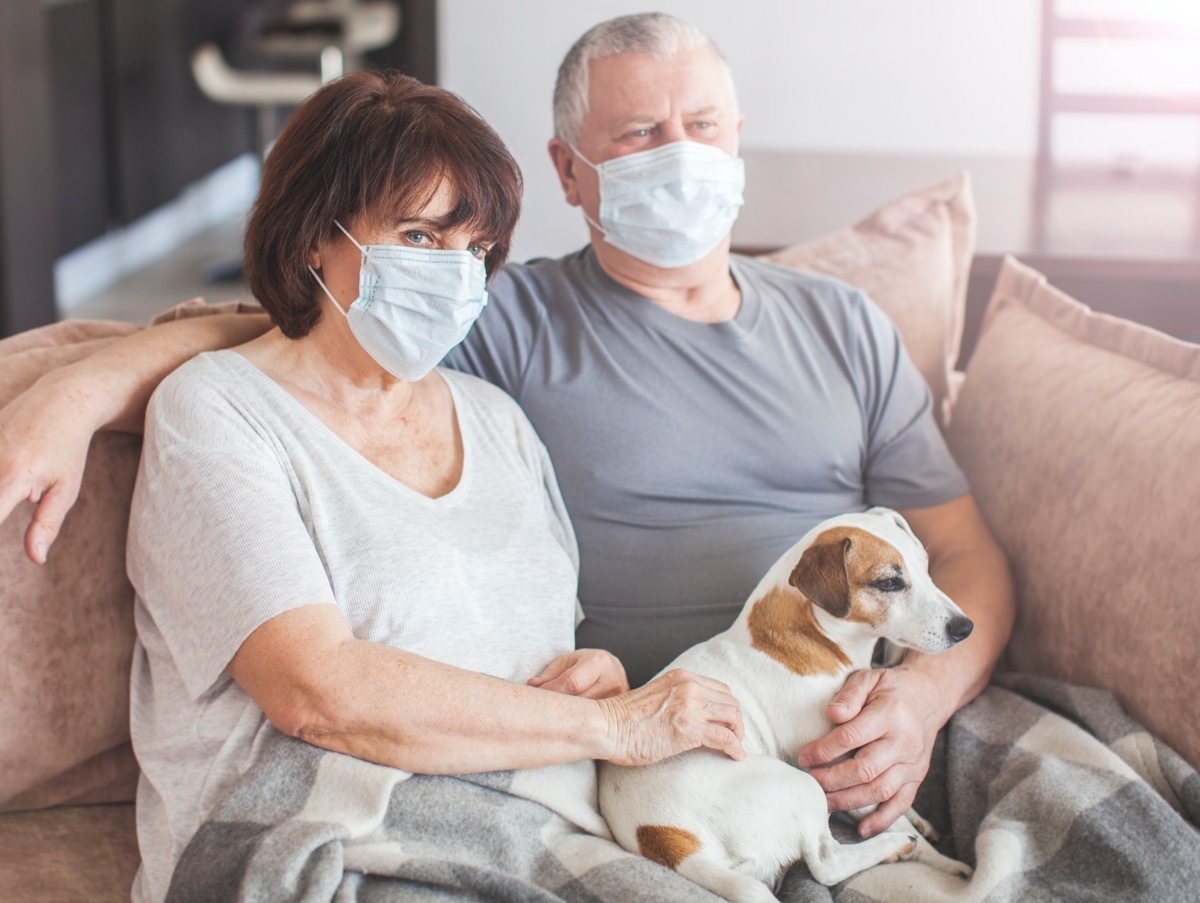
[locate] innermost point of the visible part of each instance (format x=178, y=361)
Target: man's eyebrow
x=637, y=119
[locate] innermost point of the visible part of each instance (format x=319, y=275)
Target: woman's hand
x=672, y=714
x=592, y=673
x=43, y=450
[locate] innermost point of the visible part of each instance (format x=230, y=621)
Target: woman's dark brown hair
x=373, y=145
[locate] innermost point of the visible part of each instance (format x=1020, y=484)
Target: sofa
x=1079, y=433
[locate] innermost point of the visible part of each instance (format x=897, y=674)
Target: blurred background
x=131, y=130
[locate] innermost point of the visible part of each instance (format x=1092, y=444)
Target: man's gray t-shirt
x=247, y=506
x=691, y=455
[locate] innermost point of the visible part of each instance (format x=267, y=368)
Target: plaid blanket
x=1050, y=791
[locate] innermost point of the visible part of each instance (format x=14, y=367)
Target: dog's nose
x=959, y=628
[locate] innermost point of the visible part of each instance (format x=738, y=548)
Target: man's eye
x=889, y=585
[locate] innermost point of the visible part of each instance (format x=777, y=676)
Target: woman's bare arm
x=45, y=431
x=315, y=681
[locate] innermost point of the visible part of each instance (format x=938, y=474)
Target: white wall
x=953, y=77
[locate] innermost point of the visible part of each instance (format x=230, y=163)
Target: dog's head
x=871, y=569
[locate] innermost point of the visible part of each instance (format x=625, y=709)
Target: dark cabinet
x=101, y=121
x=166, y=133
x=75, y=80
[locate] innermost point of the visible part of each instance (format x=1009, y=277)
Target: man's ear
x=564, y=164
x=821, y=575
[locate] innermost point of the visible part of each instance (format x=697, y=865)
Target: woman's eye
x=479, y=251
x=417, y=238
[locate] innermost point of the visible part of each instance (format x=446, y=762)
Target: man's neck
x=703, y=291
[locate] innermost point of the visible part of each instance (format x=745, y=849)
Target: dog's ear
x=821, y=575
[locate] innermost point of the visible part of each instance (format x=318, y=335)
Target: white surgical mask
x=413, y=305
x=669, y=206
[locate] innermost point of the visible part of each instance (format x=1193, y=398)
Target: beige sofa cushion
x=66, y=629
x=913, y=257
x=70, y=854
x=1080, y=434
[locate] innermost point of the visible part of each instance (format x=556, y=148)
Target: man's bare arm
x=46, y=430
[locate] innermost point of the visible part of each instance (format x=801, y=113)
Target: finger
x=724, y=740
x=842, y=740
x=739, y=725
x=727, y=715
x=871, y=793
x=887, y=813
x=569, y=684
x=610, y=674
x=607, y=684
x=679, y=675
x=556, y=667
x=850, y=699
x=47, y=521
x=576, y=680
x=852, y=773
x=11, y=495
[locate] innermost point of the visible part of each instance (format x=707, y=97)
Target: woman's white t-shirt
x=247, y=505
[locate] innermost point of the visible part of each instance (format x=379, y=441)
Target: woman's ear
x=314, y=259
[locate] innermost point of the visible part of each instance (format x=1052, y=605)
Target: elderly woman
x=335, y=540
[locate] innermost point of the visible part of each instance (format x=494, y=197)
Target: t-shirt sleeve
x=217, y=541
x=558, y=519
x=908, y=464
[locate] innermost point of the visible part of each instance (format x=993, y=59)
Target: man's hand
x=593, y=673
x=887, y=721
x=42, y=456
x=671, y=714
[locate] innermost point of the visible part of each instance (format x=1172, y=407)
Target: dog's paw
x=908, y=851
x=924, y=827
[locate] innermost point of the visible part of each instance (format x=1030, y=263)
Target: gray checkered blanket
x=1050, y=791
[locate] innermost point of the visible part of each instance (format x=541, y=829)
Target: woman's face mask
x=669, y=206
x=413, y=304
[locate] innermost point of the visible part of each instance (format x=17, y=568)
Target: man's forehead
x=640, y=86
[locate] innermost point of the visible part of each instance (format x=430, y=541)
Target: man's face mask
x=669, y=206
x=413, y=304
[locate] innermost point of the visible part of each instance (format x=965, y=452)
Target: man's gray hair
x=651, y=34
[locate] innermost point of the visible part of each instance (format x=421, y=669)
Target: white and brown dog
x=735, y=827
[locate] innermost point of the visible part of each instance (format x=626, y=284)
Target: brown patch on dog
x=666, y=845
x=782, y=626
x=864, y=558
x=822, y=576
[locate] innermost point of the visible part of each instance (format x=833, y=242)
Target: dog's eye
x=889, y=585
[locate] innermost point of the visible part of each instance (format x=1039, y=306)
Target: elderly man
x=702, y=409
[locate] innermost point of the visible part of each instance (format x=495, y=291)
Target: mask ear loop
x=353, y=241
x=321, y=282
x=591, y=222
x=328, y=293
